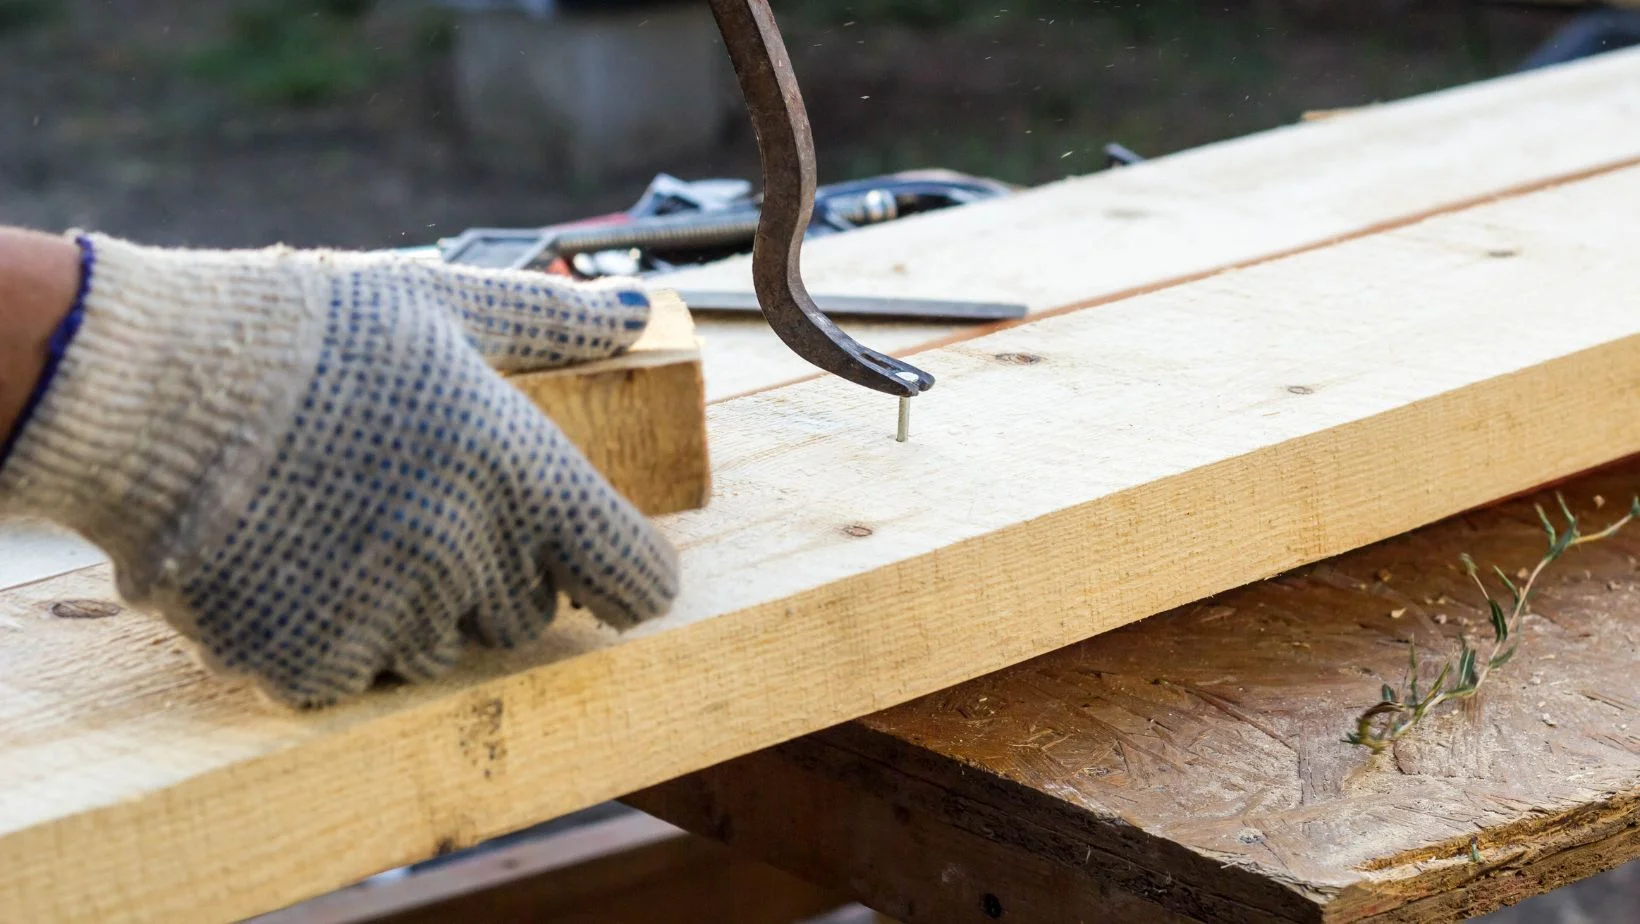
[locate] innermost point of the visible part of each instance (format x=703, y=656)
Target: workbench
x=1283, y=364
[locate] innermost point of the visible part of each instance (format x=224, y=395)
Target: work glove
x=306, y=462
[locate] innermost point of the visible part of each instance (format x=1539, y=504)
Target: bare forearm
x=39, y=275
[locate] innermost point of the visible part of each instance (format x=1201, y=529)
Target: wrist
x=181, y=359
x=42, y=290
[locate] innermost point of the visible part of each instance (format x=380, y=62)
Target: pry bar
x=786, y=145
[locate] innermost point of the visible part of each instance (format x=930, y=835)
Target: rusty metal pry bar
x=786, y=144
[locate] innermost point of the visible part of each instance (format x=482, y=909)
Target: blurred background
x=364, y=124
x=354, y=123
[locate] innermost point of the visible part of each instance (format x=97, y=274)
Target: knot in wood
x=1018, y=359
x=84, y=609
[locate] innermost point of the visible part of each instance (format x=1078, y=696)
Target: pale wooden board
x=1116, y=232
x=640, y=417
x=1192, y=764
x=1160, y=449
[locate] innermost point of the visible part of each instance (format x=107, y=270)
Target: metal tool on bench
x=865, y=306
x=678, y=223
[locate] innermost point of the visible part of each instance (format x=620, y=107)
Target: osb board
x=1191, y=765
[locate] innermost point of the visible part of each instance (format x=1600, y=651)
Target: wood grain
x=1091, y=239
x=1193, y=761
x=640, y=418
x=1067, y=477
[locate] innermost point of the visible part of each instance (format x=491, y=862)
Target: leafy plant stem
x=1399, y=711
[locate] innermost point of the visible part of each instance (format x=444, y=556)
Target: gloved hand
x=305, y=461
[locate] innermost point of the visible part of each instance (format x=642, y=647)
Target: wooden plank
x=1191, y=766
x=1072, y=475
x=626, y=869
x=1091, y=239
x=640, y=418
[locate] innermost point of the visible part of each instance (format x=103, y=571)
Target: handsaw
x=786, y=145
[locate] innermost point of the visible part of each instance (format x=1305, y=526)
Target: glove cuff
x=174, y=372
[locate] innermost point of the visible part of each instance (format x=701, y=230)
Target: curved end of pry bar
x=785, y=141
x=803, y=327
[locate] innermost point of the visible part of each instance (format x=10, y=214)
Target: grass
x=1141, y=21
x=1026, y=91
x=23, y=15
x=1401, y=709
x=299, y=54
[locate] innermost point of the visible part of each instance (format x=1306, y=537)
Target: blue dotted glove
x=307, y=463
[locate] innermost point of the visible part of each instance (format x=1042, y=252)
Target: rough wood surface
x=640, y=418
x=1091, y=239
x=1192, y=764
x=1074, y=475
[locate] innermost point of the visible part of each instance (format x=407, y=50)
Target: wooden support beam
x=1191, y=767
x=625, y=869
x=1067, y=477
x=640, y=417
